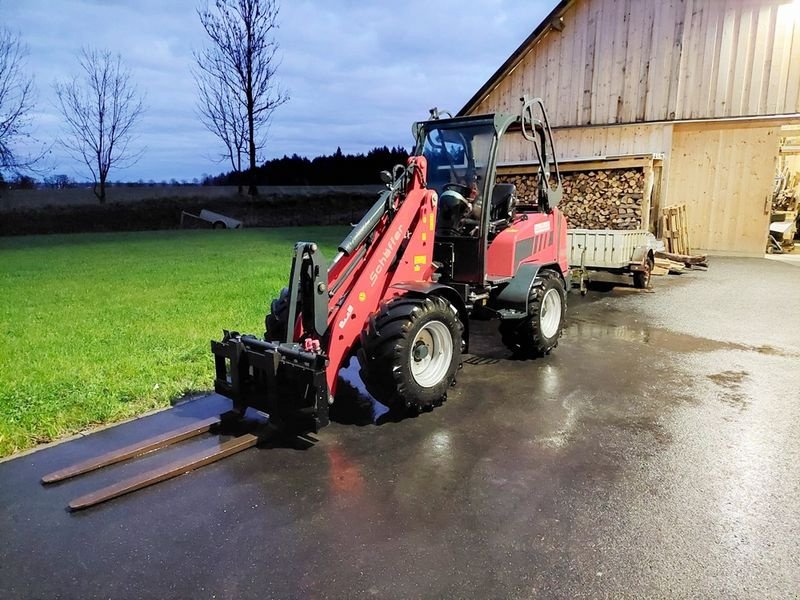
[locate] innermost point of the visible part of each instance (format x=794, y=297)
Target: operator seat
x=503, y=201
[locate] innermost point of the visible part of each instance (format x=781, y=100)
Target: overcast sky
x=358, y=72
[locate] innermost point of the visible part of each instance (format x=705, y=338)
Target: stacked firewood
x=609, y=199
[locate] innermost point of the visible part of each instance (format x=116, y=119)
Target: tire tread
x=384, y=341
x=523, y=336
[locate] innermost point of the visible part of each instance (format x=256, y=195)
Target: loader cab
x=462, y=154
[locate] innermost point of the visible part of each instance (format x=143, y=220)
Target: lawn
x=95, y=328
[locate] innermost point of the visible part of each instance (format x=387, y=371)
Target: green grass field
x=96, y=328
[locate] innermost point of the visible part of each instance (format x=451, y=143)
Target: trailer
x=208, y=218
x=611, y=256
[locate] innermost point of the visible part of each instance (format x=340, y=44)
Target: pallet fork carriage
x=443, y=244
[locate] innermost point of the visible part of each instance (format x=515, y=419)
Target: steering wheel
x=462, y=189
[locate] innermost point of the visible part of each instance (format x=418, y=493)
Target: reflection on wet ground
x=582, y=328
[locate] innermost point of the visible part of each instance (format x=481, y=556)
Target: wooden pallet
x=675, y=229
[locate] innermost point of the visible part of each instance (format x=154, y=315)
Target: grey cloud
x=359, y=73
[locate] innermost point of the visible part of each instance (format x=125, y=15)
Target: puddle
x=728, y=379
x=731, y=382
x=643, y=426
x=662, y=338
x=563, y=433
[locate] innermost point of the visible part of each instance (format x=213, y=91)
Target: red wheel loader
x=443, y=243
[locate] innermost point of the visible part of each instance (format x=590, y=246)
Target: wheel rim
x=550, y=313
x=431, y=353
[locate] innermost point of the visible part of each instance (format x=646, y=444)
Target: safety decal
x=541, y=227
x=343, y=322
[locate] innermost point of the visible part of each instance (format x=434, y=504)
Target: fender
x=640, y=256
x=429, y=288
x=515, y=295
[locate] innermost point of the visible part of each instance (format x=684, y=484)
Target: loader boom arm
x=398, y=249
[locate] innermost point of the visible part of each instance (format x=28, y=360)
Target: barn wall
x=723, y=171
x=584, y=142
x=724, y=174
x=629, y=61
x=793, y=162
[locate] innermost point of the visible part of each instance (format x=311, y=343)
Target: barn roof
x=516, y=56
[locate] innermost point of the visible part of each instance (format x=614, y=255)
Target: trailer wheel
x=277, y=318
x=538, y=333
x=641, y=279
x=410, y=352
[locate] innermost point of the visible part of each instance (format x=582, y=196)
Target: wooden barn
x=662, y=102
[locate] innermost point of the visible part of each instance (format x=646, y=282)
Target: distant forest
x=335, y=169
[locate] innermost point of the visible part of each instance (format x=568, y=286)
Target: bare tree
x=241, y=64
x=224, y=116
x=16, y=100
x=101, y=107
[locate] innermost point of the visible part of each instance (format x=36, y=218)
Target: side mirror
x=386, y=177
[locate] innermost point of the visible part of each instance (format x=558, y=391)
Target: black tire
x=526, y=337
x=219, y=225
x=276, y=321
x=392, y=363
x=641, y=279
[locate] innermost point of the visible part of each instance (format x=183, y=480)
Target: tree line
x=238, y=92
x=334, y=169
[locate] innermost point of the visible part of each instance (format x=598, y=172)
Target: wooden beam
x=594, y=163
x=646, y=198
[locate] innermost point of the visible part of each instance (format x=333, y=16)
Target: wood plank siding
x=585, y=142
x=636, y=61
x=724, y=174
x=722, y=170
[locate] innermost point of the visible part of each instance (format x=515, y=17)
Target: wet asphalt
x=654, y=454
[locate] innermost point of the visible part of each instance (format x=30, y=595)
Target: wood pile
x=689, y=261
x=607, y=199
x=675, y=229
x=658, y=271
x=663, y=266
x=675, y=264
